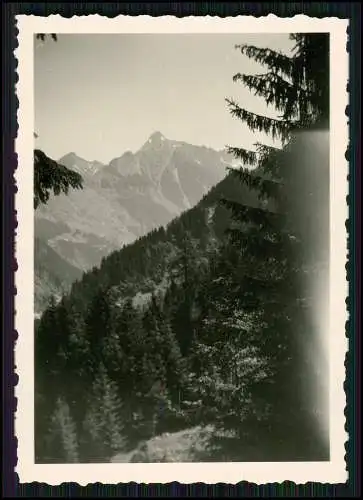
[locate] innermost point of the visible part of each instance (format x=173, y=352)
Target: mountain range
x=120, y=202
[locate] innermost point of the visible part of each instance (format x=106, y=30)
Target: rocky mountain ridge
x=125, y=199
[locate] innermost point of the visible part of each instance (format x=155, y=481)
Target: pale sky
x=100, y=95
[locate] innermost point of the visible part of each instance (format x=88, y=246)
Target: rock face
x=127, y=198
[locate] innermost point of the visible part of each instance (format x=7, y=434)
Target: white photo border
x=334, y=471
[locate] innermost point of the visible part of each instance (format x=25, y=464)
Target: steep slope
x=52, y=275
x=142, y=267
x=127, y=198
x=124, y=200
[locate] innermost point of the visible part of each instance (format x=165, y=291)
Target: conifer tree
x=266, y=236
x=187, y=269
x=227, y=365
x=62, y=437
x=51, y=345
x=166, y=368
x=60, y=354
x=51, y=177
x=45, y=374
x=176, y=371
x=125, y=352
x=97, y=327
x=103, y=423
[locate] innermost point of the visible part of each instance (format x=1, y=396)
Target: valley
x=121, y=202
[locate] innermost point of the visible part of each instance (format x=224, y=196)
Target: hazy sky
x=101, y=95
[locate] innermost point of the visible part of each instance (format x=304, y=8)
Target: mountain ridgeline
x=122, y=201
x=206, y=319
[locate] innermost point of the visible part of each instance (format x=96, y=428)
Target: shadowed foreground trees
x=222, y=342
x=274, y=245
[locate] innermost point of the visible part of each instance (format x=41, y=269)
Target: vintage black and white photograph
x=185, y=214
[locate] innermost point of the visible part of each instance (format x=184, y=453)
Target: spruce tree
x=97, y=326
x=268, y=241
x=60, y=354
x=51, y=347
x=176, y=372
x=165, y=369
x=103, y=428
x=63, y=446
x=132, y=339
x=186, y=269
x=227, y=364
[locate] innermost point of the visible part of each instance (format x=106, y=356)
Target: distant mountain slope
x=126, y=199
x=52, y=275
x=141, y=268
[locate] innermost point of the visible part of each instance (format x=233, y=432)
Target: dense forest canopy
x=201, y=322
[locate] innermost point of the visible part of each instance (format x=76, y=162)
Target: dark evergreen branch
x=269, y=58
x=269, y=161
x=248, y=157
x=306, y=70
x=267, y=187
x=276, y=91
x=258, y=216
x=275, y=128
x=264, y=158
x=51, y=176
x=246, y=177
x=266, y=150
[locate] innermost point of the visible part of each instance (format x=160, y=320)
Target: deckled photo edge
x=260, y=473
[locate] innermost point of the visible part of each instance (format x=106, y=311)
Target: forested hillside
x=202, y=322
x=122, y=201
